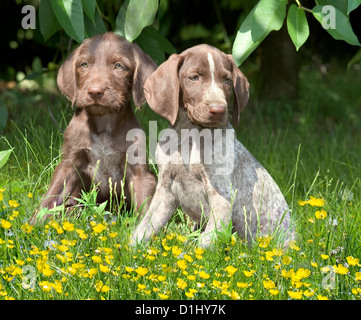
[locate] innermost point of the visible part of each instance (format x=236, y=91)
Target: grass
x=307, y=145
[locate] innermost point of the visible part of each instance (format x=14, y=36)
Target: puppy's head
x=201, y=80
x=105, y=71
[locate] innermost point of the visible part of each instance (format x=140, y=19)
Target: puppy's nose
x=217, y=109
x=96, y=92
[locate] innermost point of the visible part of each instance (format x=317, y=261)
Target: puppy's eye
x=118, y=66
x=194, y=77
x=228, y=81
x=84, y=64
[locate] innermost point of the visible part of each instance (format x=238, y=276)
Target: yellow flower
x=67, y=226
x=176, y=251
x=45, y=286
x=104, y=268
x=203, y=275
x=181, y=238
x=340, y=269
x=82, y=235
x=1, y=194
x=320, y=297
x=314, y=202
x=199, y=251
x=97, y=259
x=163, y=296
x=295, y=294
x=249, y=273
x=182, y=264
x=231, y=270
x=99, y=228
x=13, y=203
x=100, y=287
x=286, y=260
x=181, y=284
x=5, y=224
x=47, y=272
x=358, y=276
x=321, y=214
x=269, y=284
x=242, y=285
x=309, y=293
x=113, y=234
x=352, y=261
x=269, y=255
x=141, y=271
x=324, y=256
x=190, y=293
x=314, y=264
x=264, y=241
x=274, y=292
x=293, y=245
x=30, y=195
x=234, y=295
x=129, y=269
x=27, y=228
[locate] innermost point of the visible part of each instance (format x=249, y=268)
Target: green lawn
x=310, y=148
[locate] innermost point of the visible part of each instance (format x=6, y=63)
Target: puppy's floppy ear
x=240, y=90
x=144, y=67
x=66, y=76
x=162, y=89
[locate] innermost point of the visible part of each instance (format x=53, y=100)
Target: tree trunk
x=279, y=66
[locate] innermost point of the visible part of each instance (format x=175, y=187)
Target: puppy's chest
x=105, y=157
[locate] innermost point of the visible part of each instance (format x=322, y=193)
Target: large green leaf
x=140, y=14
x=268, y=16
x=120, y=20
x=70, y=16
x=4, y=156
x=47, y=20
x=94, y=27
x=155, y=44
x=352, y=5
x=343, y=30
x=244, y=45
x=338, y=4
x=297, y=26
x=89, y=8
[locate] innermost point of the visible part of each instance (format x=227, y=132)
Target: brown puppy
x=100, y=77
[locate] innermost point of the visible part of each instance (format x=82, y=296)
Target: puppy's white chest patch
x=105, y=158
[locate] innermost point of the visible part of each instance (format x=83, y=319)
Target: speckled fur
x=246, y=194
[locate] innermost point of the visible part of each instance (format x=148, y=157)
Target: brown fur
x=100, y=77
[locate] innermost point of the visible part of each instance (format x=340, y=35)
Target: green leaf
x=120, y=20
x=352, y=5
x=96, y=27
x=342, y=31
x=297, y=26
x=47, y=20
x=70, y=16
x=155, y=44
x=3, y=115
x=244, y=45
x=268, y=16
x=140, y=14
x=89, y=8
x=338, y=4
x=4, y=157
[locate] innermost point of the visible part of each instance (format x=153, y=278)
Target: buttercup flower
x=321, y=214
x=314, y=202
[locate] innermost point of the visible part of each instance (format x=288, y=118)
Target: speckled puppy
x=192, y=90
